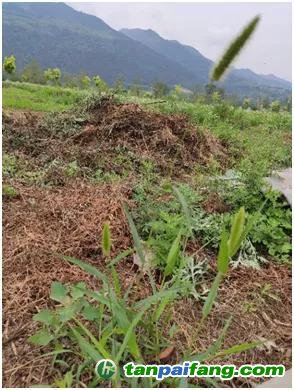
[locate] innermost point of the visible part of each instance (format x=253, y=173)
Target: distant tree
x=86, y=81
x=246, y=103
x=33, y=73
x=135, y=88
x=119, y=85
x=159, y=89
x=275, y=106
x=9, y=64
x=69, y=80
x=265, y=102
x=100, y=83
x=52, y=75
x=210, y=88
x=288, y=104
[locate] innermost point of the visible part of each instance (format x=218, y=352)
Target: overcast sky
x=209, y=27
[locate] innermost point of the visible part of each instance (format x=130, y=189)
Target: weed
x=107, y=324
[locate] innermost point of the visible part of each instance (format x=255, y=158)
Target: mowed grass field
x=26, y=96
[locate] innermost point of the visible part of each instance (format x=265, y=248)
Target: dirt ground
x=42, y=222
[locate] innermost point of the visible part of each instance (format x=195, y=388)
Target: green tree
x=246, y=103
x=289, y=104
x=33, y=73
x=52, y=75
x=159, y=89
x=100, y=83
x=135, y=87
x=119, y=85
x=9, y=64
x=275, y=106
x=86, y=81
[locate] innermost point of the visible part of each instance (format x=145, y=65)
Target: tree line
x=210, y=93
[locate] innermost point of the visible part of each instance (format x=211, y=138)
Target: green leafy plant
x=9, y=64
x=105, y=323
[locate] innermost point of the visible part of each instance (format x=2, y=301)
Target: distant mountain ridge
x=56, y=35
x=196, y=63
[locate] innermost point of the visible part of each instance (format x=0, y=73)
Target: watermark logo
x=105, y=368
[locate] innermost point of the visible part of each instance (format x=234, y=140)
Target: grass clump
x=108, y=324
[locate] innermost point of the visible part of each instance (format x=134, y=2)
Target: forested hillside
x=57, y=36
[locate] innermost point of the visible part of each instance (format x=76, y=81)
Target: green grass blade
x=87, y=267
x=239, y=348
x=185, y=207
x=211, y=351
x=95, y=342
x=120, y=257
x=173, y=255
x=146, y=304
x=223, y=254
x=86, y=348
x=237, y=231
x=138, y=245
x=233, y=50
x=121, y=317
x=212, y=295
x=135, y=234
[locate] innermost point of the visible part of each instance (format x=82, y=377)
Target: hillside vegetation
x=58, y=36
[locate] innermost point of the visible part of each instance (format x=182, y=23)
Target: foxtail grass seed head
x=106, y=240
x=233, y=50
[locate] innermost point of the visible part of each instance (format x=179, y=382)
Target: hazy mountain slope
x=187, y=56
x=57, y=35
x=200, y=66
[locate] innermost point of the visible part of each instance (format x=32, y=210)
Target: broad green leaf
x=68, y=312
x=78, y=290
x=106, y=240
x=45, y=316
x=233, y=50
x=173, y=255
x=223, y=254
x=86, y=267
x=58, y=292
x=90, y=312
x=212, y=295
x=42, y=337
x=236, y=233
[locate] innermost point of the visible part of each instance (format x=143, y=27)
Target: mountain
x=239, y=80
x=187, y=56
x=58, y=36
